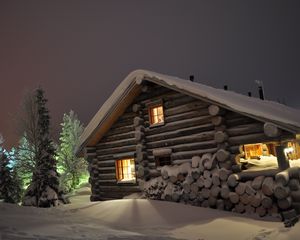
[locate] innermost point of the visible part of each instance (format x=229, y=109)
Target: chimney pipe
x=250, y=94
x=261, y=93
x=192, y=78
x=225, y=87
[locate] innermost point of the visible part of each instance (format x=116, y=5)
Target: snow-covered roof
x=264, y=110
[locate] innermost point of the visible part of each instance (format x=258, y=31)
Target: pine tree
x=10, y=185
x=43, y=189
x=25, y=160
x=71, y=166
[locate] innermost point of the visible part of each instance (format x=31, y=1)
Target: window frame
x=275, y=143
x=158, y=161
x=151, y=106
x=117, y=171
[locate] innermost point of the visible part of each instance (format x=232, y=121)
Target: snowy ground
x=136, y=219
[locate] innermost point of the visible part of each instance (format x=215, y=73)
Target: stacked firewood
x=203, y=183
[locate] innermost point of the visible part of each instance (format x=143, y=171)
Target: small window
x=125, y=170
x=162, y=161
x=156, y=114
x=259, y=156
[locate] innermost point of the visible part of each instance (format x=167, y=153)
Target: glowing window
x=156, y=114
x=125, y=170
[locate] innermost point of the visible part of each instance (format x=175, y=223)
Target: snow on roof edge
x=269, y=110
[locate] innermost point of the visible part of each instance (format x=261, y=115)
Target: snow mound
x=134, y=219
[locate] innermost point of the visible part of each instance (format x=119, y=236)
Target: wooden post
x=283, y=163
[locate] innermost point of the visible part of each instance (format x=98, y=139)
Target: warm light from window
x=288, y=150
x=125, y=170
x=156, y=114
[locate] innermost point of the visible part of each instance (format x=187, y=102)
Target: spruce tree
x=71, y=166
x=25, y=160
x=10, y=188
x=43, y=189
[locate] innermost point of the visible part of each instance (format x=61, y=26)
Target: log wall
x=205, y=139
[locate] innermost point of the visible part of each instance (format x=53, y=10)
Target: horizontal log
x=249, y=138
x=179, y=125
x=128, y=114
x=184, y=143
x=153, y=92
x=187, y=115
x=245, y=129
x=116, y=156
x=185, y=108
x=238, y=121
x=174, y=102
x=236, y=149
x=194, y=146
x=116, y=137
x=107, y=170
x=180, y=161
x=114, y=144
x=122, y=149
x=190, y=154
x=250, y=175
x=180, y=138
x=119, y=130
x=107, y=176
x=122, y=123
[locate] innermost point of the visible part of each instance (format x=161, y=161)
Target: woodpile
x=221, y=189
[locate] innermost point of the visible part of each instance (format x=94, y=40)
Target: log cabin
x=178, y=140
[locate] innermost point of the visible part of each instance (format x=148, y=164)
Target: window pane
x=160, y=110
x=125, y=169
x=156, y=115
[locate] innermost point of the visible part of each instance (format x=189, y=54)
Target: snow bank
x=135, y=219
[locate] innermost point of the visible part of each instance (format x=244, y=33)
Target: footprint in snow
x=264, y=234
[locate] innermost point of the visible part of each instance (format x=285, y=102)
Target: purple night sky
x=79, y=51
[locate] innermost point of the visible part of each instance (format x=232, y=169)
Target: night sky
x=79, y=51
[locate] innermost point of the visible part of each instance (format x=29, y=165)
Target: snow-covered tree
x=10, y=187
x=43, y=189
x=70, y=166
x=25, y=160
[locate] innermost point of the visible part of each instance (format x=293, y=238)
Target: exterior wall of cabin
x=205, y=147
